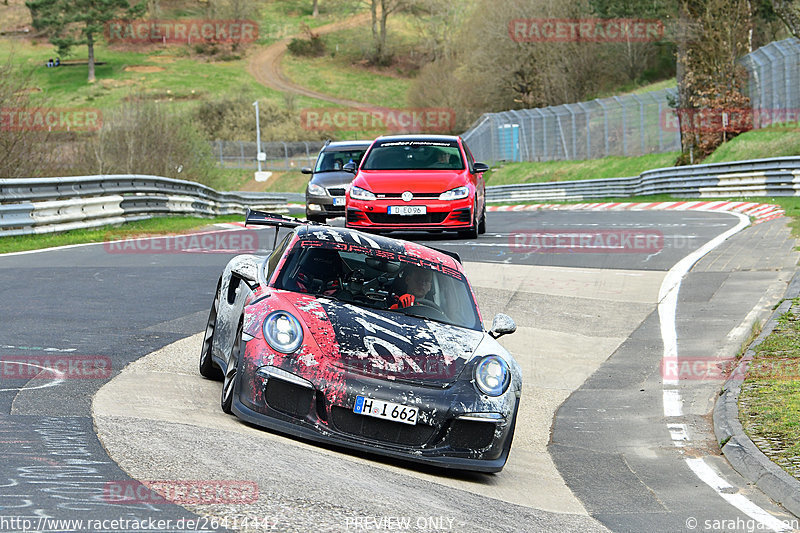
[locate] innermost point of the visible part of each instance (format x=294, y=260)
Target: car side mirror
x=306, y=170
x=480, y=167
x=502, y=325
x=349, y=167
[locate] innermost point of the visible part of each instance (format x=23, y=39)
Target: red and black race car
x=418, y=182
x=363, y=341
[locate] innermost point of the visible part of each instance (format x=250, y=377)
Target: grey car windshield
x=415, y=155
x=334, y=161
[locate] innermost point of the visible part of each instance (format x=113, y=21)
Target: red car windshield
x=380, y=279
x=414, y=155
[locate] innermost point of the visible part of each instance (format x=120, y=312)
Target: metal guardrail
x=46, y=205
x=778, y=176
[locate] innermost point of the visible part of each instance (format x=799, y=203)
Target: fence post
x=588, y=114
x=605, y=121
x=641, y=122
x=624, y=125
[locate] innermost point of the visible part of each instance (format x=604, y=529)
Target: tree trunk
x=375, y=38
x=90, y=45
x=382, y=45
x=684, y=92
x=315, y=9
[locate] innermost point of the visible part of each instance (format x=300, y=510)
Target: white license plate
x=338, y=200
x=386, y=410
x=407, y=210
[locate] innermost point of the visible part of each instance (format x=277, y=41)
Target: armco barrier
x=778, y=176
x=45, y=205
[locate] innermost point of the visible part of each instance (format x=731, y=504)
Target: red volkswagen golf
x=418, y=182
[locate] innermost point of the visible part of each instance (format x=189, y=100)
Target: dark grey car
x=329, y=182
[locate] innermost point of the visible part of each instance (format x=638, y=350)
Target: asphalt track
x=588, y=340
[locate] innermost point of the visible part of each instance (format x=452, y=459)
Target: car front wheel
x=207, y=367
x=229, y=384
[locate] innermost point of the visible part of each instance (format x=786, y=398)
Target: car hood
x=335, y=179
x=386, y=344
x=417, y=181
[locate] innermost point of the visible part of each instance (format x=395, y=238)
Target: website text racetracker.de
x=19, y=523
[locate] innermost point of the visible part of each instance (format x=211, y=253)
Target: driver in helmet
x=415, y=284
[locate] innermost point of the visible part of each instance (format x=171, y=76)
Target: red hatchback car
x=418, y=182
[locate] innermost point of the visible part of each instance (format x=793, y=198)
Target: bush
x=233, y=119
x=312, y=46
x=24, y=152
x=144, y=138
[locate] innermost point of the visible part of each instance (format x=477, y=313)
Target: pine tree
x=77, y=22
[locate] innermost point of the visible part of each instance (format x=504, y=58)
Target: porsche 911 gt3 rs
x=328, y=339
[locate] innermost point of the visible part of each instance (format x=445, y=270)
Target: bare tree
x=380, y=11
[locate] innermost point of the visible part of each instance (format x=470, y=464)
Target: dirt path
x=265, y=65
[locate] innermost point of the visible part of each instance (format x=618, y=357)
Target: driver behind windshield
x=414, y=284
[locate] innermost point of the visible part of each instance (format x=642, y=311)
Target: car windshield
x=380, y=279
x=414, y=155
x=334, y=160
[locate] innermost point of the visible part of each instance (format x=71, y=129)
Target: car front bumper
x=449, y=433
x=453, y=215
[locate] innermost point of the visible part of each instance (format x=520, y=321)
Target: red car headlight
x=455, y=194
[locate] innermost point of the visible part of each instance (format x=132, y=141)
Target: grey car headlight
x=316, y=190
x=492, y=375
x=283, y=332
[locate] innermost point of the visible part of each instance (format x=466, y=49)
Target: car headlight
x=357, y=193
x=316, y=190
x=283, y=331
x=455, y=194
x=492, y=376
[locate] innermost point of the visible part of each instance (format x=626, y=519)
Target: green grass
x=770, y=400
x=758, y=144
x=342, y=72
x=176, y=78
x=153, y=226
x=607, y=167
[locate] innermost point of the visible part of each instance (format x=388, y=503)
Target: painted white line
x=679, y=434
x=723, y=488
x=673, y=404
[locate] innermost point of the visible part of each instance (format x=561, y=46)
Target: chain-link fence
x=279, y=155
x=628, y=125
x=632, y=124
x=774, y=82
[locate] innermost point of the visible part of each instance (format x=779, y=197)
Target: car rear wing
x=262, y=218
